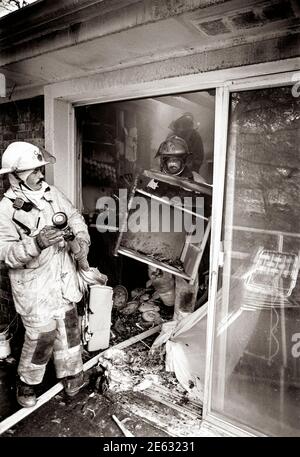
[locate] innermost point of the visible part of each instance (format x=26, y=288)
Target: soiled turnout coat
x=44, y=284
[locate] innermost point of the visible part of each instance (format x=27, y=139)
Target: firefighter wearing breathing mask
x=42, y=270
x=182, y=153
x=175, y=157
x=183, y=127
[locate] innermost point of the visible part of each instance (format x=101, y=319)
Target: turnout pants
x=59, y=338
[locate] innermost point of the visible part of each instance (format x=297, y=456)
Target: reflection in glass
x=256, y=371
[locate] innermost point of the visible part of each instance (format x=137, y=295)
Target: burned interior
x=150, y=226
x=120, y=143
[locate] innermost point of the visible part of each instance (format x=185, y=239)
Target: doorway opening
x=158, y=153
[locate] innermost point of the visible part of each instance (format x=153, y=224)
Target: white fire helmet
x=21, y=156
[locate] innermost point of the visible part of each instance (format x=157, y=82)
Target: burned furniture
x=174, y=223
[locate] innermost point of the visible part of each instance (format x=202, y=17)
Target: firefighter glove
x=48, y=236
x=81, y=255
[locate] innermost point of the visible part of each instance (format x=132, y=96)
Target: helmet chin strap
x=22, y=182
x=22, y=190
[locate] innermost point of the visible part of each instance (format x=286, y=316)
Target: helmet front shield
x=47, y=156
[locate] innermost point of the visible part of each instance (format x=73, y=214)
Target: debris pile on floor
x=131, y=370
x=137, y=370
x=137, y=313
x=133, y=380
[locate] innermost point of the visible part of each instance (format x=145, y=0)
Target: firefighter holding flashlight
x=37, y=249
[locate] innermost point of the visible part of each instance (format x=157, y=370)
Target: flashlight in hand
x=60, y=221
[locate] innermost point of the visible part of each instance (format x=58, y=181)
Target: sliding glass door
x=256, y=349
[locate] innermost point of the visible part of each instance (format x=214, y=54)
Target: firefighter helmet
x=173, y=153
x=183, y=123
x=21, y=156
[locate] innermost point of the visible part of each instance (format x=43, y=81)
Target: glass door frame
x=213, y=420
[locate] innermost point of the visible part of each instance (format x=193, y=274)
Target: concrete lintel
x=199, y=66
x=32, y=35
x=161, y=73
x=52, y=15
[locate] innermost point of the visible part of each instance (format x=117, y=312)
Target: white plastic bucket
x=5, y=350
x=100, y=306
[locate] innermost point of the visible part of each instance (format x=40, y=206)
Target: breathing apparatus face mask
x=173, y=165
x=173, y=154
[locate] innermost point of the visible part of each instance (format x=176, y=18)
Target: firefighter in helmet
x=42, y=270
x=174, y=157
x=183, y=127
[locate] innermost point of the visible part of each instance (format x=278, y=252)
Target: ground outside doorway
x=129, y=394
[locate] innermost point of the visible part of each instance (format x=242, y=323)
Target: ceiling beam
x=187, y=104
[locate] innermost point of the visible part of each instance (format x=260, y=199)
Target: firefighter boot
x=25, y=394
x=73, y=384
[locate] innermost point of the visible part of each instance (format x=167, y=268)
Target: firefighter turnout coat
x=44, y=284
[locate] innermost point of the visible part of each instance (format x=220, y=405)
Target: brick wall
x=19, y=121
